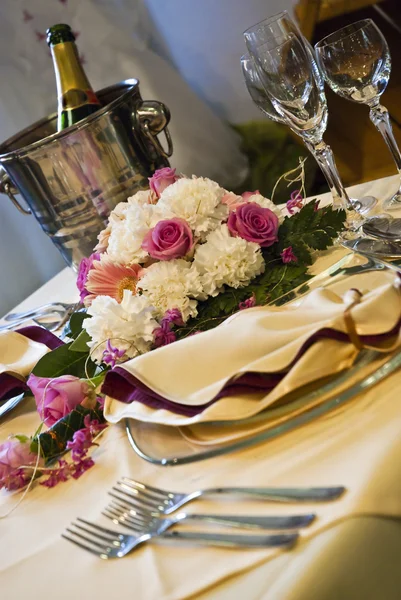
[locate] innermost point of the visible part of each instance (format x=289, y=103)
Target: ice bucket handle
x=154, y=117
x=6, y=187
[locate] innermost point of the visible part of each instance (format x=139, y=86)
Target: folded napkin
x=254, y=358
x=19, y=352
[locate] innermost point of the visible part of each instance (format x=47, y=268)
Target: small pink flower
x=13, y=456
x=173, y=316
x=57, y=474
x=295, y=203
x=254, y=224
x=55, y=398
x=161, y=179
x=171, y=238
x=163, y=335
x=112, y=354
x=288, y=255
x=79, y=468
x=248, y=303
x=85, y=266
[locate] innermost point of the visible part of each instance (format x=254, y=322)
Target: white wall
x=204, y=38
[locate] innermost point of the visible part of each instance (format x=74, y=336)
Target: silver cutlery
x=139, y=496
x=45, y=309
x=137, y=520
x=374, y=247
x=107, y=544
x=383, y=227
x=43, y=321
x=10, y=404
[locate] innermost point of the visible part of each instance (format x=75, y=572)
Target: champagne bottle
x=76, y=98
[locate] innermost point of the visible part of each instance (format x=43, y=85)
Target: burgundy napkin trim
x=125, y=387
x=11, y=386
x=41, y=335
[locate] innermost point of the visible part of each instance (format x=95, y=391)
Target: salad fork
x=107, y=544
x=140, y=496
x=141, y=521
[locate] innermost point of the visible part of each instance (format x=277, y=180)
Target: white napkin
x=264, y=341
x=19, y=354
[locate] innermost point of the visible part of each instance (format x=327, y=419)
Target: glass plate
x=168, y=446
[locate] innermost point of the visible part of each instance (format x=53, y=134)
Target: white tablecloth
x=357, y=559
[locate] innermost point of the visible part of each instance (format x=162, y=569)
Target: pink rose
x=56, y=398
x=254, y=224
x=14, y=455
x=84, y=267
x=161, y=179
x=171, y=238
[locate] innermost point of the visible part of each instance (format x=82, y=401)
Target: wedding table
x=357, y=558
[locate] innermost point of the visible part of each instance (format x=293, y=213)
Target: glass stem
x=380, y=118
x=325, y=159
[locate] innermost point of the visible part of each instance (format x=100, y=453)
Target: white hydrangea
x=172, y=284
x=196, y=200
x=128, y=325
x=126, y=237
x=226, y=260
x=266, y=203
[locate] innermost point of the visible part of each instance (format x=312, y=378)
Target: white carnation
x=118, y=213
x=196, y=200
x=266, y=203
x=172, y=284
x=140, y=198
x=128, y=325
x=226, y=260
x=126, y=237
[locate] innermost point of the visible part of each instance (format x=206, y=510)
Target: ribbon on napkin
x=254, y=358
x=19, y=352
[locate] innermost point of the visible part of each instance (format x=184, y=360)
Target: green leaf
x=75, y=324
x=21, y=438
x=80, y=344
x=63, y=361
x=53, y=442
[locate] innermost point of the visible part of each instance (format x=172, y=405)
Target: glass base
x=365, y=204
x=393, y=203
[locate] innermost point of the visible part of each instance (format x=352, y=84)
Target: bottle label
x=75, y=98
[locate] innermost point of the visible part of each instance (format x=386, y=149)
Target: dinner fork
x=139, y=496
x=107, y=544
x=137, y=520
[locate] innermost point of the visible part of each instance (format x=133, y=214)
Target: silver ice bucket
x=71, y=180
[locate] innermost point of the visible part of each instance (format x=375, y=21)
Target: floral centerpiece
x=173, y=261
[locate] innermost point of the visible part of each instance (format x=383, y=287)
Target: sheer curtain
x=115, y=39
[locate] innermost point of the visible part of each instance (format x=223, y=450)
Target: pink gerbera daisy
x=107, y=278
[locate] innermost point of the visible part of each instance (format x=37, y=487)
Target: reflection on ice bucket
x=71, y=180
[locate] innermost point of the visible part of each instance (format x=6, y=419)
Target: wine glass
x=285, y=70
x=355, y=62
x=256, y=90
x=285, y=64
